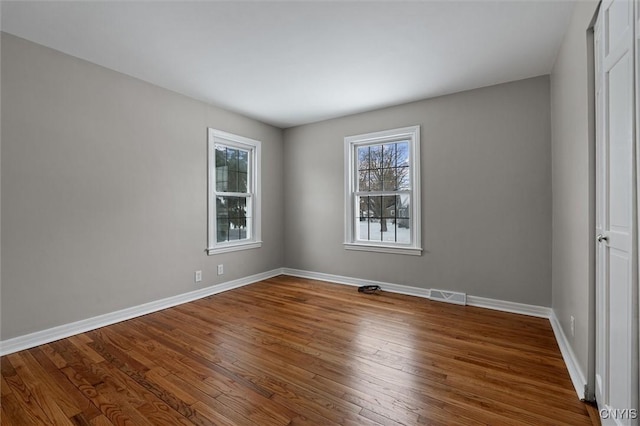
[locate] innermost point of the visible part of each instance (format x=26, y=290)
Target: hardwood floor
x=295, y=351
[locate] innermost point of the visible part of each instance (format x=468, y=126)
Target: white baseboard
x=339, y=279
x=512, y=307
x=575, y=372
x=60, y=332
x=482, y=302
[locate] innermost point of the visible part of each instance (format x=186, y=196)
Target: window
x=382, y=191
x=234, y=192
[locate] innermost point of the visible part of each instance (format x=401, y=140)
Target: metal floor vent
x=448, y=296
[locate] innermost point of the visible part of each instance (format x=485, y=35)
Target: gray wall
x=572, y=153
x=104, y=191
x=486, y=188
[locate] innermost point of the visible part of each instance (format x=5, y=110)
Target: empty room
x=319, y=212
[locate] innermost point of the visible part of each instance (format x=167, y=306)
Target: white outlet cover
x=573, y=326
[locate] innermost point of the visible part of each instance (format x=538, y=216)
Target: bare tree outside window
x=233, y=192
x=383, y=191
x=232, y=187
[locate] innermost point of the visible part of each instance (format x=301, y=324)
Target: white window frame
x=351, y=144
x=253, y=195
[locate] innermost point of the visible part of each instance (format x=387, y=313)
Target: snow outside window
x=234, y=192
x=382, y=194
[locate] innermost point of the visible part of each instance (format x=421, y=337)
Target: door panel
x=618, y=19
x=620, y=144
x=616, y=252
x=620, y=380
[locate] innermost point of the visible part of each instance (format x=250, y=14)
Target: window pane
x=384, y=167
x=232, y=206
x=232, y=159
x=389, y=155
x=376, y=177
x=222, y=230
x=369, y=219
x=238, y=229
x=243, y=161
x=384, y=218
x=243, y=234
x=242, y=182
x=394, y=154
x=363, y=219
x=403, y=178
x=388, y=206
x=363, y=158
x=387, y=221
x=221, y=156
x=389, y=179
x=232, y=170
x=232, y=218
x=363, y=180
x=376, y=166
x=232, y=184
x=388, y=229
x=375, y=156
x=402, y=162
x=222, y=210
x=374, y=230
x=222, y=170
x=241, y=207
x=404, y=210
x=403, y=219
x=243, y=175
x=402, y=154
x=363, y=207
x=222, y=179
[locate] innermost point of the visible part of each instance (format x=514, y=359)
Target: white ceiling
x=291, y=63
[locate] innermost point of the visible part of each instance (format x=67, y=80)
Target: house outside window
x=382, y=191
x=233, y=192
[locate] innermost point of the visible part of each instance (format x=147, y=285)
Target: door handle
x=602, y=238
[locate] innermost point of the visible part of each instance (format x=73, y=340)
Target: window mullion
x=378, y=193
x=232, y=194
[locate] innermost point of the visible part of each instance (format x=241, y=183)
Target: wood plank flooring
x=291, y=351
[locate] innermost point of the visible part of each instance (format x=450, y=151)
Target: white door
x=616, y=255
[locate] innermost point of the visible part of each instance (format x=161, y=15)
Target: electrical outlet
x=573, y=326
x=221, y=269
x=198, y=276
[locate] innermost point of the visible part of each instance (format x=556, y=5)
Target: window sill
x=412, y=251
x=235, y=247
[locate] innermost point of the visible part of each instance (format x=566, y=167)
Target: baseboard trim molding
x=511, y=307
x=60, y=332
x=571, y=361
x=339, y=279
x=481, y=302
